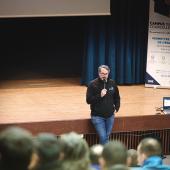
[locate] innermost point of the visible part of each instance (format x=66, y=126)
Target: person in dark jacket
x=104, y=99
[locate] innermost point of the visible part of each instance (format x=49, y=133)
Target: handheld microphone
x=104, y=80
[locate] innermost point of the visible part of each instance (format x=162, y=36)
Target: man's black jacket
x=103, y=106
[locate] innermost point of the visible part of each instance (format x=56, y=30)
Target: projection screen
x=45, y=8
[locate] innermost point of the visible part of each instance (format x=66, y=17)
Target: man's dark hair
x=75, y=152
x=16, y=147
x=114, y=152
x=47, y=147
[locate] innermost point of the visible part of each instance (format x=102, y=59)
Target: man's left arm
x=117, y=98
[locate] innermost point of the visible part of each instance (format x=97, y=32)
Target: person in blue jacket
x=149, y=155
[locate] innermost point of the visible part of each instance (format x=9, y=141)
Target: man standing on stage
x=103, y=96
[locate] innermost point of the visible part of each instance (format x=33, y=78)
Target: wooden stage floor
x=43, y=100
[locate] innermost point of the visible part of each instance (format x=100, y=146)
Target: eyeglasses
x=105, y=74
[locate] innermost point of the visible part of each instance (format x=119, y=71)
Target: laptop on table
x=166, y=105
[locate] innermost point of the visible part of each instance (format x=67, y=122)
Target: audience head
x=47, y=152
x=16, y=148
x=148, y=147
x=73, y=146
x=95, y=153
x=132, y=158
x=75, y=151
x=114, y=152
x=47, y=147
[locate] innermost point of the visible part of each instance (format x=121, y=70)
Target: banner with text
x=158, y=54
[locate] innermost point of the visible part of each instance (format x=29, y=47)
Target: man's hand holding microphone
x=104, y=90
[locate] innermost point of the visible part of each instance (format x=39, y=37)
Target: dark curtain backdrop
x=76, y=46
x=41, y=47
x=120, y=41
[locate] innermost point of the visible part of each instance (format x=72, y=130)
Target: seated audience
x=16, y=148
x=95, y=155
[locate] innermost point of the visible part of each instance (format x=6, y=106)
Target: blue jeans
x=103, y=127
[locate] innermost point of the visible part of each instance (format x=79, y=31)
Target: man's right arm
x=91, y=96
